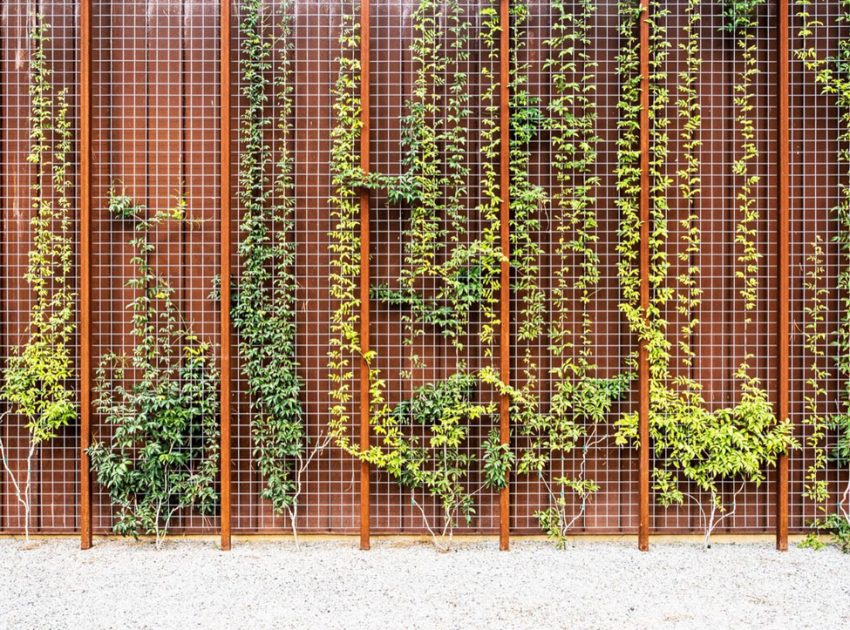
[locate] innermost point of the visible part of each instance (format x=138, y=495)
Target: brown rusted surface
x=643, y=356
x=783, y=271
x=224, y=253
x=85, y=271
x=505, y=235
x=365, y=267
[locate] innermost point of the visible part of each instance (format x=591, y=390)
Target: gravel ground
x=190, y=584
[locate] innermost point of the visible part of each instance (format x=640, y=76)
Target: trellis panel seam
x=643, y=354
x=505, y=237
x=365, y=269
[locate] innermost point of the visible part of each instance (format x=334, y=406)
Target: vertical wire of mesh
x=817, y=177
x=54, y=481
x=329, y=496
x=155, y=141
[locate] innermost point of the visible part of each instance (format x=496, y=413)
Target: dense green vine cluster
x=161, y=456
x=37, y=380
x=264, y=313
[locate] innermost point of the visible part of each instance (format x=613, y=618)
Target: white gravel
x=190, y=584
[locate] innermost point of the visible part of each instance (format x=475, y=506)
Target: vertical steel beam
x=365, y=234
x=643, y=356
x=505, y=234
x=783, y=267
x=85, y=271
x=225, y=255
x=3, y=205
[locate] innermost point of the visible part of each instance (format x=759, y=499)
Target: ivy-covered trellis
x=575, y=178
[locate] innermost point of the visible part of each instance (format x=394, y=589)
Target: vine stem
x=710, y=519
x=22, y=496
x=302, y=466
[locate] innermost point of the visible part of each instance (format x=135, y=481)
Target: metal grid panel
x=54, y=482
x=722, y=338
x=817, y=179
x=155, y=137
x=410, y=361
x=613, y=507
x=329, y=499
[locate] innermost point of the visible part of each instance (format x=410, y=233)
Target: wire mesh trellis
x=155, y=137
x=564, y=260
x=53, y=480
x=722, y=339
x=329, y=501
x=817, y=263
x=414, y=352
x=155, y=140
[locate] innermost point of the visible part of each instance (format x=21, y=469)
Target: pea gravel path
x=189, y=584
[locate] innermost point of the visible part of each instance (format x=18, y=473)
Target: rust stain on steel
x=85, y=272
x=643, y=357
x=225, y=173
x=783, y=268
x=365, y=132
x=505, y=284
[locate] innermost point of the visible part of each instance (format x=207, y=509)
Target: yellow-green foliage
x=692, y=443
x=37, y=383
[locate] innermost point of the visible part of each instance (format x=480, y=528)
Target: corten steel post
x=505, y=282
x=85, y=272
x=225, y=147
x=783, y=269
x=643, y=357
x=365, y=131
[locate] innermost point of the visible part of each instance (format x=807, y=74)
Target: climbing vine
x=690, y=442
x=527, y=201
x=264, y=314
x=581, y=400
x=832, y=74
x=347, y=177
x=433, y=184
x=161, y=454
x=628, y=175
x=815, y=488
x=37, y=379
